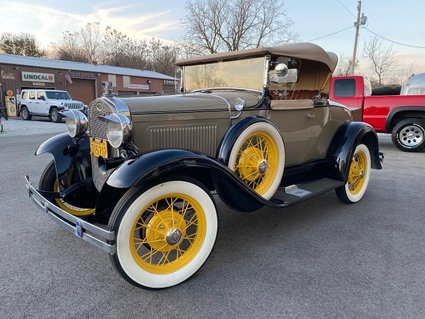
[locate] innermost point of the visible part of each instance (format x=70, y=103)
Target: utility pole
x=361, y=20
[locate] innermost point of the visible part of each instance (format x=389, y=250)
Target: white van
x=47, y=103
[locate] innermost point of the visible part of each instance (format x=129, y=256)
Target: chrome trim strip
x=97, y=236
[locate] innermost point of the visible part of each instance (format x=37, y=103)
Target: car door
x=32, y=107
x=295, y=120
x=40, y=102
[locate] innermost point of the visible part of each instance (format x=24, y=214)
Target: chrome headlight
x=76, y=122
x=118, y=130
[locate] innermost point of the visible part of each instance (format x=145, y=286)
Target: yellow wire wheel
x=74, y=210
x=165, y=234
x=258, y=158
x=358, y=176
x=168, y=233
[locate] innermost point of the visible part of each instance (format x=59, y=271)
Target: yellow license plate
x=98, y=147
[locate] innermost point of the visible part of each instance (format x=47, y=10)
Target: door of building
x=82, y=90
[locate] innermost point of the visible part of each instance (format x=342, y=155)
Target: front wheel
x=164, y=234
x=49, y=182
x=409, y=134
x=358, y=176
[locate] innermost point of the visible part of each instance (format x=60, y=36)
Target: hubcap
x=168, y=233
x=174, y=236
x=257, y=161
x=411, y=136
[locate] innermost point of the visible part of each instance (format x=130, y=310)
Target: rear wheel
x=164, y=233
x=55, y=116
x=49, y=182
x=358, y=176
x=25, y=113
x=409, y=134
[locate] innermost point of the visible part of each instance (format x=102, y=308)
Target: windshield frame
x=261, y=78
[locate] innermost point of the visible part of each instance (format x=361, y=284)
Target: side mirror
x=42, y=98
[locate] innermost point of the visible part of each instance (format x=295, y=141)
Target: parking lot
x=321, y=259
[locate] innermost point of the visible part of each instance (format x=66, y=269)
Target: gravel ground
x=38, y=125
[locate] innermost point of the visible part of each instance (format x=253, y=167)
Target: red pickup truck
x=401, y=115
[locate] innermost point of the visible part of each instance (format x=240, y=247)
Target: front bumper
x=95, y=235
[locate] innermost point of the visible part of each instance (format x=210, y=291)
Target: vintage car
x=138, y=177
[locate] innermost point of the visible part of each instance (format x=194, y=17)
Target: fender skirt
x=344, y=143
x=158, y=165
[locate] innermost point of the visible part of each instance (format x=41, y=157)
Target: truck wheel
x=358, y=176
x=164, y=234
x=55, y=116
x=258, y=158
x=26, y=115
x=49, y=182
x=409, y=134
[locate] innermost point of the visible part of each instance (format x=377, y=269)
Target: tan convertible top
x=307, y=51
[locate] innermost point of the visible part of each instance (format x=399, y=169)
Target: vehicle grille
x=97, y=129
x=201, y=138
x=74, y=106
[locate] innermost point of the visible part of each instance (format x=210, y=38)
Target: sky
x=397, y=20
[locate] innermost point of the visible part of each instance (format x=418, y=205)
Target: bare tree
x=344, y=66
x=381, y=57
x=70, y=48
x=219, y=25
x=21, y=44
x=91, y=38
x=112, y=47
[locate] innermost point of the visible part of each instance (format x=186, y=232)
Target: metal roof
x=308, y=51
x=78, y=66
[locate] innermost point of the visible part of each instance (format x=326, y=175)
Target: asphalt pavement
x=321, y=259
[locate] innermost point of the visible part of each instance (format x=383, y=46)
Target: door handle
x=311, y=116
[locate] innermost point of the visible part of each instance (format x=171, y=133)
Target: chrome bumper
x=92, y=234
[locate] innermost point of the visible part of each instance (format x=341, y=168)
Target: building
x=82, y=80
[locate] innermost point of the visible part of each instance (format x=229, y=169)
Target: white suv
x=47, y=103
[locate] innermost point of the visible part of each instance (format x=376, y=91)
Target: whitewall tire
x=164, y=234
x=358, y=176
x=258, y=158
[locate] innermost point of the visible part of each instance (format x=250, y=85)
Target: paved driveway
x=321, y=259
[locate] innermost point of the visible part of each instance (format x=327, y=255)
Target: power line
x=396, y=42
x=328, y=35
x=346, y=9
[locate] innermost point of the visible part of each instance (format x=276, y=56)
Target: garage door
x=82, y=90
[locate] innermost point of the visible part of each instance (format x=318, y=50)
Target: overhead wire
x=346, y=9
x=395, y=42
x=329, y=34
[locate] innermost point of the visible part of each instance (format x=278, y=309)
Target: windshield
x=57, y=95
x=248, y=73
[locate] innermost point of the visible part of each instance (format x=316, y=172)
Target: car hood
x=190, y=102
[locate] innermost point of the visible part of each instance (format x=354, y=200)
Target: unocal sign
x=38, y=77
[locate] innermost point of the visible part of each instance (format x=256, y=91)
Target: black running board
x=297, y=193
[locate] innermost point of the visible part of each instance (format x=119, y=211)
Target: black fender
x=402, y=109
x=233, y=133
x=66, y=152
x=156, y=166
x=341, y=151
